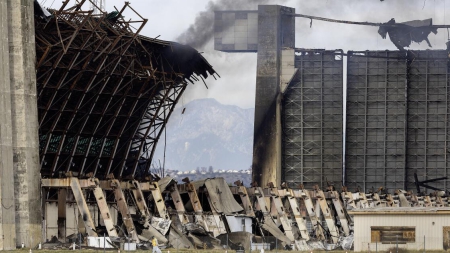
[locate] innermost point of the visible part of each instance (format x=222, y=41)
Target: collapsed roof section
x=105, y=92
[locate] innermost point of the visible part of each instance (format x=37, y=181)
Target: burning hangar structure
x=86, y=98
x=396, y=116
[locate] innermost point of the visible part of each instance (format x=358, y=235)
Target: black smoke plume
x=202, y=31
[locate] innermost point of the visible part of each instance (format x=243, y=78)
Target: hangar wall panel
x=428, y=117
x=312, y=120
x=397, y=119
x=376, y=126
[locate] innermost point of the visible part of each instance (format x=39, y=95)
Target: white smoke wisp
x=202, y=30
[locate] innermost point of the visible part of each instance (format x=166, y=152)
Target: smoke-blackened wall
x=272, y=22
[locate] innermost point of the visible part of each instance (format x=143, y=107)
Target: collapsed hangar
x=105, y=93
x=96, y=140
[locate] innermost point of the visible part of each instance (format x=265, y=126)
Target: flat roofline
x=402, y=210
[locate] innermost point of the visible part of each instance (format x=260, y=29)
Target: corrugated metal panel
x=312, y=120
x=375, y=131
x=428, y=117
x=397, y=118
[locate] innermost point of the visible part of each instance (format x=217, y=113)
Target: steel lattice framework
x=312, y=120
x=105, y=92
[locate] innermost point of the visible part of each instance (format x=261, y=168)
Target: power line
x=362, y=23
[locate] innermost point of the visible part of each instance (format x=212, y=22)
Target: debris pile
x=209, y=214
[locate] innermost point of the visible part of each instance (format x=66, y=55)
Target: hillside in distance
x=207, y=133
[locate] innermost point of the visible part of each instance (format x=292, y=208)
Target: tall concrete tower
x=20, y=212
x=270, y=32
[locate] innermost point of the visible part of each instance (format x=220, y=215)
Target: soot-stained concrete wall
x=275, y=31
x=21, y=220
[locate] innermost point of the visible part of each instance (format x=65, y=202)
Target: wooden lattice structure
x=105, y=92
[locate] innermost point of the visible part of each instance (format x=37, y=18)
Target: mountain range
x=206, y=133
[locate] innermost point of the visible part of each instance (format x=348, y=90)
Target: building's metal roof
x=400, y=210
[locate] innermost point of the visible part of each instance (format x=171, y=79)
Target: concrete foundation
x=20, y=188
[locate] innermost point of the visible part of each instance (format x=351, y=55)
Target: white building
x=411, y=227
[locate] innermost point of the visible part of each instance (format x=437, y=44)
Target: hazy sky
x=170, y=18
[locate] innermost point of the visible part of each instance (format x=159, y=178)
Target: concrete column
x=275, y=31
x=7, y=211
x=22, y=58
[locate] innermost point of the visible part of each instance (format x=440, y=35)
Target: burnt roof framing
x=105, y=92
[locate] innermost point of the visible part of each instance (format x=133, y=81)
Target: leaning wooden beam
x=82, y=206
x=349, y=201
x=329, y=219
x=301, y=223
x=376, y=200
x=104, y=210
x=159, y=200
x=243, y=195
x=363, y=200
x=268, y=223
x=195, y=201
x=215, y=222
x=276, y=200
x=140, y=202
x=312, y=213
x=123, y=209
x=402, y=199
x=341, y=212
x=178, y=202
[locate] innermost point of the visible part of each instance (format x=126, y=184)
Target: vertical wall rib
x=376, y=109
x=312, y=120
